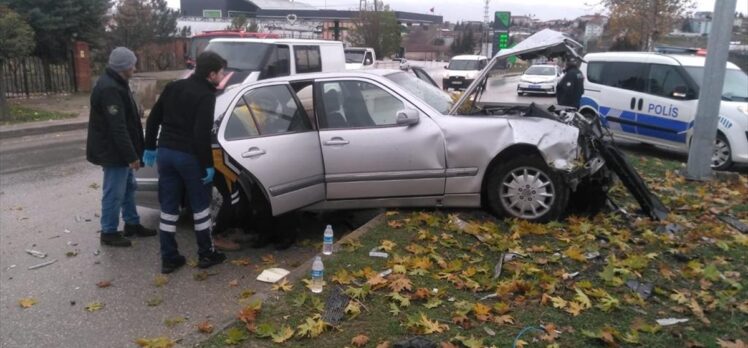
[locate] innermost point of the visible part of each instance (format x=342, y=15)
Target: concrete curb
x=196, y=338
x=42, y=129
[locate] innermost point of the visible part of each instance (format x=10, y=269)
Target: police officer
x=571, y=87
x=115, y=142
x=184, y=114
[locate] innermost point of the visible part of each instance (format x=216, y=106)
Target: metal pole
x=710, y=95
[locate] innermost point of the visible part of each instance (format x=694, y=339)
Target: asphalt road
x=50, y=202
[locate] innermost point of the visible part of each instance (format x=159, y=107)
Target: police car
x=652, y=98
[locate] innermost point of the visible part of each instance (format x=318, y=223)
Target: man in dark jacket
x=571, y=87
x=115, y=142
x=184, y=113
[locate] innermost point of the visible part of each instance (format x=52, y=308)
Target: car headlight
x=743, y=108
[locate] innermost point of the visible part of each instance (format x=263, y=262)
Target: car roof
x=652, y=57
x=469, y=57
x=274, y=41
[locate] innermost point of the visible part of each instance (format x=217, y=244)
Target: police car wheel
x=721, y=154
x=526, y=188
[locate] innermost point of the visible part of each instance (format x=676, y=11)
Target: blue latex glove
x=209, y=173
x=149, y=157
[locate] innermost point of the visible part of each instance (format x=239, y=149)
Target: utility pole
x=710, y=95
x=485, y=36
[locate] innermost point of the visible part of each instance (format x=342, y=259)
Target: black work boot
x=211, y=259
x=115, y=240
x=138, y=230
x=172, y=265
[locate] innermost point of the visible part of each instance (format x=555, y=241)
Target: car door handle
x=253, y=152
x=633, y=103
x=641, y=104
x=336, y=141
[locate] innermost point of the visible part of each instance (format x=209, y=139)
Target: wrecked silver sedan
x=387, y=138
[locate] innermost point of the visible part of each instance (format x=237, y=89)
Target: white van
x=359, y=58
x=652, y=98
x=256, y=59
x=462, y=70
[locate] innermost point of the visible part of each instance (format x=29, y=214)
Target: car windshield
x=461, y=64
x=541, y=70
x=197, y=45
x=433, y=96
x=354, y=56
x=242, y=56
x=734, y=88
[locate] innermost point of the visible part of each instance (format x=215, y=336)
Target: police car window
x=278, y=63
x=240, y=125
x=663, y=79
x=275, y=111
x=626, y=75
x=308, y=59
x=595, y=72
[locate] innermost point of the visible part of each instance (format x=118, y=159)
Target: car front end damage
x=591, y=171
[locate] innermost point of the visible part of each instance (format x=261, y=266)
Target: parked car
x=256, y=59
x=359, y=58
x=462, y=70
x=388, y=138
x=540, y=78
x=652, y=98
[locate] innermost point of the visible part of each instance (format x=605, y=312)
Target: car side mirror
x=680, y=92
x=367, y=62
x=407, y=117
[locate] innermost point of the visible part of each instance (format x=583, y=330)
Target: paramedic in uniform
x=184, y=114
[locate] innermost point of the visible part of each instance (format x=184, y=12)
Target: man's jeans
x=119, y=195
x=179, y=171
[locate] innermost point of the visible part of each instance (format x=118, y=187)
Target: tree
x=17, y=40
x=58, y=23
x=139, y=22
x=377, y=27
x=464, y=42
x=239, y=23
x=643, y=22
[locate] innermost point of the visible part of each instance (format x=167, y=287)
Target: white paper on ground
x=272, y=275
x=670, y=321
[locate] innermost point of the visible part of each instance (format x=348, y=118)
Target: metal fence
x=30, y=76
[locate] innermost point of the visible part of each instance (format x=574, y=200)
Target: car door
x=269, y=134
x=669, y=106
x=367, y=151
x=620, y=97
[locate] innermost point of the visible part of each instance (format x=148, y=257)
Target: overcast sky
x=461, y=10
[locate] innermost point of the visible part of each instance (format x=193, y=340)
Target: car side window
x=276, y=111
x=626, y=75
x=664, y=79
x=278, y=63
x=240, y=125
x=308, y=59
x=595, y=72
x=356, y=104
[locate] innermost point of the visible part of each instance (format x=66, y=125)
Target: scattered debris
x=67, y=230
x=272, y=275
x=489, y=331
x=376, y=253
x=72, y=253
x=104, y=284
x=43, y=264
x=670, y=228
x=11, y=267
x=70, y=243
x=511, y=256
x=643, y=289
x=55, y=236
x=335, y=306
x=153, y=302
x=734, y=223
x=97, y=252
x=78, y=218
x=568, y=276
x=592, y=255
x=498, y=267
x=36, y=253
x=415, y=342
x=670, y=321
x=385, y=272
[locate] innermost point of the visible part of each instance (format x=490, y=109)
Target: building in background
x=289, y=19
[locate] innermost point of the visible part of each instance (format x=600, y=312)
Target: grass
x=700, y=269
x=21, y=114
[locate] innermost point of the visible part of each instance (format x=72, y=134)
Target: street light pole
x=710, y=95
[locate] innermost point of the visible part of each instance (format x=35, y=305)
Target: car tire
x=722, y=153
x=549, y=193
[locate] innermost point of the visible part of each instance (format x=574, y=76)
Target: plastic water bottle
x=327, y=241
x=318, y=271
